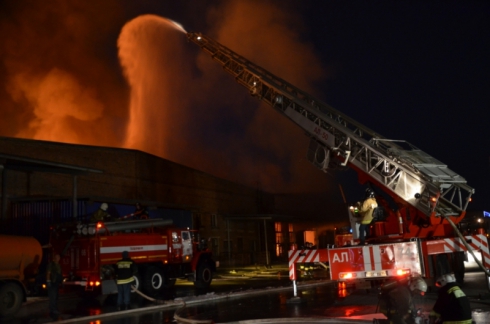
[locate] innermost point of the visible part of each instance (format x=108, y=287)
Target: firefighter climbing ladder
x=337, y=140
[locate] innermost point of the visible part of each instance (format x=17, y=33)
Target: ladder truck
x=420, y=237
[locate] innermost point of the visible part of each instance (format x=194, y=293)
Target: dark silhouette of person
x=140, y=212
x=54, y=279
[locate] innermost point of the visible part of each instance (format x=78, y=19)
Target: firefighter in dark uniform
x=125, y=270
x=54, y=280
x=396, y=302
x=140, y=212
x=452, y=305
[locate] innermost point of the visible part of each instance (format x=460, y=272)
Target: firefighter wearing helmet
x=366, y=209
x=101, y=214
x=140, y=212
x=396, y=299
x=452, y=305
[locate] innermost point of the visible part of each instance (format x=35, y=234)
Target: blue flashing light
x=350, y=231
x=486, y=214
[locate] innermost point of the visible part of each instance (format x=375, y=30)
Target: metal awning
x=18, y=163
x=25, y=164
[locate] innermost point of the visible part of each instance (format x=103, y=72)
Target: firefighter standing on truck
x=140, y=212
x=125, y=270
x=452, y=305
x=366, y=209
x=396, y=302
x=101, y=214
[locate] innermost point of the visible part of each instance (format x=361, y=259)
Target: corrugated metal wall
x=33, y=218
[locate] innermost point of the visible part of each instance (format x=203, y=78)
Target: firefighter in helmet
x=125, y=269
x=452, y=305
x=101, y=214
x=366, y=209
x=396, y=302
x=140, y=212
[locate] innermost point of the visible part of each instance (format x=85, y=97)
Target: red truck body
x=380, y=261
x=162, y=252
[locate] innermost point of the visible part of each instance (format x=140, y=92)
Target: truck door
x=186, y=246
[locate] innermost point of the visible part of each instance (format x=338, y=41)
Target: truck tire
x=11, y=298
x=153, y=281
x=204, y=276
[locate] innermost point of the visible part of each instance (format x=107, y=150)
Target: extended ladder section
x=337, y=140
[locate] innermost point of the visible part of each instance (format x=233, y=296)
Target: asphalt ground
x=356, y=305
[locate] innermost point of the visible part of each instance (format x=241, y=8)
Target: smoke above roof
x=86, y=74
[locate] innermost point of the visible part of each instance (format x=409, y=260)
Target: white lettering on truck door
x=344, y=257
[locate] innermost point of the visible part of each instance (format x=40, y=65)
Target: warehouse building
x=49, y=182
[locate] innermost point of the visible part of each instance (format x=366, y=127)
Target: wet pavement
x=317, y=301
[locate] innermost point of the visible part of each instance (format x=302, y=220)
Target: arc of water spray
x=178, y=26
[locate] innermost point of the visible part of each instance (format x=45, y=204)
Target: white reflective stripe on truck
x=133, y=249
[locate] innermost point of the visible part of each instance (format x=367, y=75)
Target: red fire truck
x=162, y=252
x=420, y=235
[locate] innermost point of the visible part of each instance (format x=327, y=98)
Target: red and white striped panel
x=477, y=242
x=301, y=256
x=374, y=260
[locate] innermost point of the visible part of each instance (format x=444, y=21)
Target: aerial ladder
x=431, y=198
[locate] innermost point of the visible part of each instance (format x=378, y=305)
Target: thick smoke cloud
x=57, y=82
x=267, y=35
x=90, y=74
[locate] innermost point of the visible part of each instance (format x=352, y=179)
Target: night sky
x=106, y=73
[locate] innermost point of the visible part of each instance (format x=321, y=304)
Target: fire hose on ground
x=177, y=317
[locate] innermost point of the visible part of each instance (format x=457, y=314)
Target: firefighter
x=125, y=271
x=54, y=279
x=452, y=305
x=140, y=212
x=366, y=213
x=396, y=302
x=101, y=214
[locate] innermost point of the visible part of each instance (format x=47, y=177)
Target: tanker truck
x=20, y=259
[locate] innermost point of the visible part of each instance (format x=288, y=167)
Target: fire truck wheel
x=11, y=298
x=204, y=275
x=153, y=280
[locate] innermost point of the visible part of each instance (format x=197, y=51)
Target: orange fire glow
x=65, y=85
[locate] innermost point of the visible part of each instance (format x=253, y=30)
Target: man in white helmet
x=452, y=305
x=101, y=214
x=396, y=302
